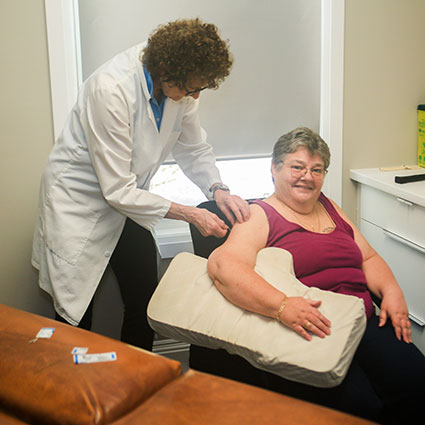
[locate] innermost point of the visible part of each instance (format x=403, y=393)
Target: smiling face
x=298, y=188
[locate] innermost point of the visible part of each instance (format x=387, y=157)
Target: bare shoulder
x=257, y=210
x=257, y=220
x=340, y=211
x=335, y=204
x=251, y=235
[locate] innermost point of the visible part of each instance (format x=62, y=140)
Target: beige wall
x=26, y=139
x=384, y=81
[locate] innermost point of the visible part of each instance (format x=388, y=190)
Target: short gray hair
x=295, y=139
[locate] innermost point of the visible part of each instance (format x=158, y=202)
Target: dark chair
x=204, y=246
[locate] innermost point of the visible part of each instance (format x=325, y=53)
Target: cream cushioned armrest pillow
x=187, y=306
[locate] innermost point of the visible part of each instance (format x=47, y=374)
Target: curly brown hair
x=187, y=49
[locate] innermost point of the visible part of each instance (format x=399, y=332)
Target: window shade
x=274, y=85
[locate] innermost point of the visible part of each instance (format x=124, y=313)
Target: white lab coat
x=98, y=173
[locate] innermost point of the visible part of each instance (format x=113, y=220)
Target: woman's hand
x=302, y=316
x=232, y=206
x=394, y=306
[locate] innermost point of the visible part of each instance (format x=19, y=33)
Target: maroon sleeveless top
x=329, y=261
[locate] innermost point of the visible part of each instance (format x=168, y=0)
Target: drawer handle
x=404, y=241
x=403, y=201
x=416, y=319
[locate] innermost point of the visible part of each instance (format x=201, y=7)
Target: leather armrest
x=40, y=380
x=8, y=419
x=198, y=398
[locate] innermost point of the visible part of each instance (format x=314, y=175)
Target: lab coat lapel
x=171, y=109
x=169, y=122
x=145, y=93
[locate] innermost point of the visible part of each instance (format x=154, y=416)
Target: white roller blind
x=274, y=85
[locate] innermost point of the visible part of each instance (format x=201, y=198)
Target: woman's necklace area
x=314, y=226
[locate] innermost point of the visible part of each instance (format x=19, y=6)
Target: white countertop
x=384, y=180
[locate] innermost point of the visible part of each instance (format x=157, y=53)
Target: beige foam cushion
x=187, y=306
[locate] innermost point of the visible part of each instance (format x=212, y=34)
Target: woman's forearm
x=379, y=277
x=242, y=286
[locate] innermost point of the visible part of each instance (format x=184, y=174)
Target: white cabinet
x=392, y=218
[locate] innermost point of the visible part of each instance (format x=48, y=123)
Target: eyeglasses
x=301, y=171
x=189, y=93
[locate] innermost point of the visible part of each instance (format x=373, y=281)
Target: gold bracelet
x=282, y=306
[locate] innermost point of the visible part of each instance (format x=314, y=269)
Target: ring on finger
x=307, y=325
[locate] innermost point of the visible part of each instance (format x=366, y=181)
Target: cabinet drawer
x=407, y=262
x=396, y=215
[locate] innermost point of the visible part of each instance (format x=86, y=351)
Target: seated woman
x=386, y=379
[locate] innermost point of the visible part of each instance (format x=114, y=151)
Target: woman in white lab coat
x=95, y=207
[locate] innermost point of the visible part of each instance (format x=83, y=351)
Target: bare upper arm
x=244, y=241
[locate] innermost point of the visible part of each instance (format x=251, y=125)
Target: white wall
x=384, y=81
x=26, y=139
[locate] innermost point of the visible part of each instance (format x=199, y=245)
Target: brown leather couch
x=41, y=384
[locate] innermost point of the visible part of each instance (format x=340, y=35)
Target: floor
x=172, y=349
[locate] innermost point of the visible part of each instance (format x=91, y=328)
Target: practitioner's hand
x=208, y=223
x=302, y=316
x=205, y=221
x=232, y=206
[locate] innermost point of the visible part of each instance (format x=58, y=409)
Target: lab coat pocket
x=67, y=224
